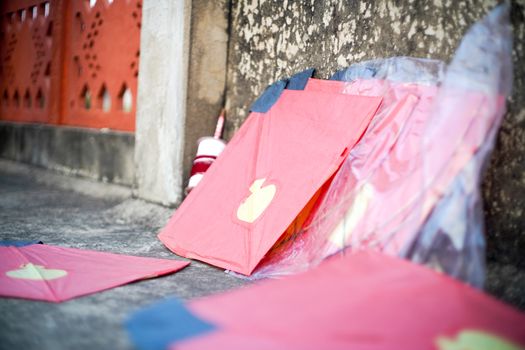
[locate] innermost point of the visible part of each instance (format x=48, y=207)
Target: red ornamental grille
x=70, y=62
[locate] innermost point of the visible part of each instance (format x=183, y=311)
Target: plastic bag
x=452, y=238
x=410, y=187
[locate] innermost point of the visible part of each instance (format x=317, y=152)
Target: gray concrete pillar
x=161, y=100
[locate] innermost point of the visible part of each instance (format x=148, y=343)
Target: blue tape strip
x=269, y=97
x=339, y=75
x=159, y=325
x=273, y=92
x=18, y=243
x=298, y=81
x=353, y=72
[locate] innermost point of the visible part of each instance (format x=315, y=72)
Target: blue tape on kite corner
x=273, y=92
x=299, y=80
x=9, y=243
x=339, y=75
x=353, y=72
x=269, y=97
x=164, y=323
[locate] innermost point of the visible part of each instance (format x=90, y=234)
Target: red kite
x=43, y=272
x=364, y=300
x=268, y=172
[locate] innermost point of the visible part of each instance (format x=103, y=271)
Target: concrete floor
x=40, y=205
x=35, y=204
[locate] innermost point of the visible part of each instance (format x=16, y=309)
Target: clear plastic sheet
x=411, y=186
x=452, y=237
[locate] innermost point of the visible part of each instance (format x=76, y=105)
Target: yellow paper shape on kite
x=476, y=340
x=256, y=203
x=36, y=273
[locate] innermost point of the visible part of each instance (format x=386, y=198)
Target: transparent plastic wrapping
x=472, y=98
x=411, y=186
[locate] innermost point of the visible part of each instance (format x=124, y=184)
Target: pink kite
x=43, y=272
x=266, y=175
x=405, y=179
x=411, y=186
x=364, y=300
x=394, y=177
x=384, y=161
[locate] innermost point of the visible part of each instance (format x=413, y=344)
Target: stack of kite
x=385, y=156
x=410, y=187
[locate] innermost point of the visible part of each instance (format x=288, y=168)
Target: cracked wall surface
x=270, y=40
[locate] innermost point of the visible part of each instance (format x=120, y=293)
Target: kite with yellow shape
x=36, y=273
x=256, y=203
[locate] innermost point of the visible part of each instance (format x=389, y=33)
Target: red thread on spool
x=207, y=151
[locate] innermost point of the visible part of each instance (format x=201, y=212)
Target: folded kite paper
x=43, y=272
x=364, y=300
x=268, y=172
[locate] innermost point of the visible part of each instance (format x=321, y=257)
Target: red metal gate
x=70, y=62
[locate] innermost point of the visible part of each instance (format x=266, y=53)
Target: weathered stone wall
x=207, y=73
x=270, y=40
